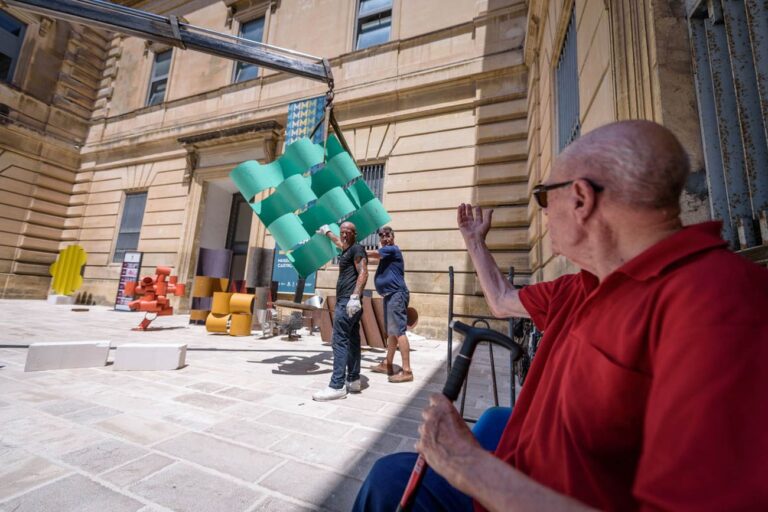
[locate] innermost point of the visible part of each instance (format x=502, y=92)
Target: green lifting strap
x=306, y=195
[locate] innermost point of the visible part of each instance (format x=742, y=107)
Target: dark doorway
x=238, y=233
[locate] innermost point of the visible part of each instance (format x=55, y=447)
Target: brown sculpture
x=154, y=290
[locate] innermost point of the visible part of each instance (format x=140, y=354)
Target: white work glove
x=323, y=230
x=353, y=306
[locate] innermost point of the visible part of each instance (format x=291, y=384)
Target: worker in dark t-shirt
x=390, y=284
x=353, y=274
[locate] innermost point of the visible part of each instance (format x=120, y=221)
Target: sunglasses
x=540, y=191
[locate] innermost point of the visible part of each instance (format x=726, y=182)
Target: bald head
x=639, y=163
x=348, y=226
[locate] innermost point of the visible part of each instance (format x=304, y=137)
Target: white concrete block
x=61, y=299
x=58, y=355
x=146, y=356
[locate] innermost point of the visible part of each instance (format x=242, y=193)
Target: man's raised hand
x=473, y=225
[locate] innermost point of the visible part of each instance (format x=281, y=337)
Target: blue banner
x=303, y=116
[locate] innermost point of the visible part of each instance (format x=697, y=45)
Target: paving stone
x=300, y=423
x=243, y=394
x=184, y=488
x=207, y=387
x=249, y=410
x=335, y=455
x=205, y=401
x=194, y=420
x=103, y=456
x=405, y=428
x=132, y=472
x=249, y=432
x=74, y=493
x=373, y=440
x=274, y=504
x=302, y=404
x=35, y=396
x=31, y=471
x=378, y=421
x=62, y=407
x=404, y=411
x=239, y=461
x=318, y=486
x=92, y=414
x=361, y=402
x=139, y=430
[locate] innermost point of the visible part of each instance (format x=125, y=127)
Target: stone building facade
x=458, y=101
x=439, y=102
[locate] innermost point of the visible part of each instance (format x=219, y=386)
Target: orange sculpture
x=155, y=290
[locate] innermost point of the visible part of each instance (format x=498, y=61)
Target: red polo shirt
x=650, y=389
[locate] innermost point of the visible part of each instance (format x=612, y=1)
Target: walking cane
x=472, y=337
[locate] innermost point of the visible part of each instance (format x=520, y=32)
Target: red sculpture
x=155, y=290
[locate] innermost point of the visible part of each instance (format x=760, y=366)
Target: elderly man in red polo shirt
x=650, y=387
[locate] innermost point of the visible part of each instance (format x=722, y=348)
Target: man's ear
x=584, y=200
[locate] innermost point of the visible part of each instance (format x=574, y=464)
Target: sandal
x=403, y=376
x=383, y=367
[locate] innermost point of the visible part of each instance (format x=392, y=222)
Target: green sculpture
x=67, y=270
x=311, y=187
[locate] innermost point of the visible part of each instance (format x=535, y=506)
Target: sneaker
x=329, y=393
x=354, y=386
x=403, y=376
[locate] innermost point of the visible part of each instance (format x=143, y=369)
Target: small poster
x=129, y=272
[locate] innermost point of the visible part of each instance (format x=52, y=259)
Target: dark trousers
x=382, y=490
x=346, y=345
x=384, y=486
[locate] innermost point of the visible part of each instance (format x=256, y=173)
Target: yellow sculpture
x=67, y=269
x=231, y=312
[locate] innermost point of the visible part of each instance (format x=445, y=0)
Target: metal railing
x=521, y=330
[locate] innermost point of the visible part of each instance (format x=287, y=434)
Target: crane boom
x=171, y=30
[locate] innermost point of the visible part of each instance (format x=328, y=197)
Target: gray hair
x=639, y=163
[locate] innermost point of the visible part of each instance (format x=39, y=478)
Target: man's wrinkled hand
x=353, y=306
x=473, y=224
x=445, y=440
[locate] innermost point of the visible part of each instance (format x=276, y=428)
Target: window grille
x=11, y=38
x=158, y=82
x=567, y=93
x=253, y=31
x=374, y=23
x=729, y=45
x=130, y=225
x=374, y=177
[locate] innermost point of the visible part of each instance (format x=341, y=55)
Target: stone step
x=66, y=354
x=146, y=356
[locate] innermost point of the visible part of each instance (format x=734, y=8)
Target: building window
x=567, y=92
x=253, y=31
x=374, y=177
x=158, y=83
x=374, y=23
x=130, y=225
x=730, y=49
x=11, y=37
